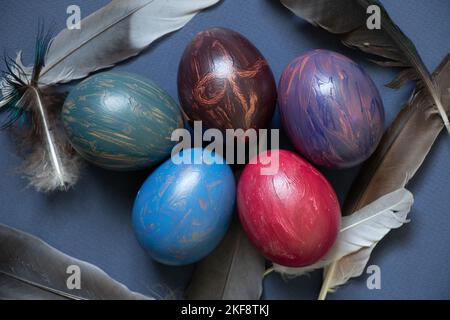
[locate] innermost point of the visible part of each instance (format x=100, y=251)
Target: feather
x=116, y=32
x=347, y=18
x=234, y=271
x=50, y=162
x=350, y=266
x=31, y=269
x=359, y=234
x=399, y=155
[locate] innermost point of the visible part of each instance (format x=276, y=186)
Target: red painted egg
x=292, y=215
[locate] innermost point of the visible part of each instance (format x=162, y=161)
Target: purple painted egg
x=331, y=109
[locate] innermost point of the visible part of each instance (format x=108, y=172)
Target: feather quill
x=347, y=18
x=31, y=269
x=399, y=155
x=359, y=234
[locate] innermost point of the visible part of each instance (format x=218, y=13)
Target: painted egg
x=225, y=82
x=331, y=109
x=183, y=210
x=121, y=121
x=291, y=215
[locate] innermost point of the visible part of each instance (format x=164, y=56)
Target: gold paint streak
x=202, y=204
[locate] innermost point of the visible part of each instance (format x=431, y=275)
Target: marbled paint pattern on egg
x=183, y=211
x=121, y=121
x=292, y=216
x=224, y=81
x=330, y=109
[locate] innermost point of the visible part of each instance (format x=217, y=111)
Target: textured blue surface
x=92, y=222
x=183, y=211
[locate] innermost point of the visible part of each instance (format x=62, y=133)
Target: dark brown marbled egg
x=225, y=82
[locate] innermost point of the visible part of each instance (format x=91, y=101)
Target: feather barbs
x=46, y=163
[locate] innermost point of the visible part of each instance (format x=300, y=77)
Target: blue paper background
x=92, y=222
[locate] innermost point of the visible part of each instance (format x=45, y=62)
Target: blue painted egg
x=183, y=211
x=331, y=109
x=121, y=121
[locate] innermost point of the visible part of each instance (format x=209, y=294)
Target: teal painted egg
x=121, y=121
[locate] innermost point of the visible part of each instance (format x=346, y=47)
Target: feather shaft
x=327, y=281
x=129, y=25
x=55, y=158
x=41, y=287
x=71, y=51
